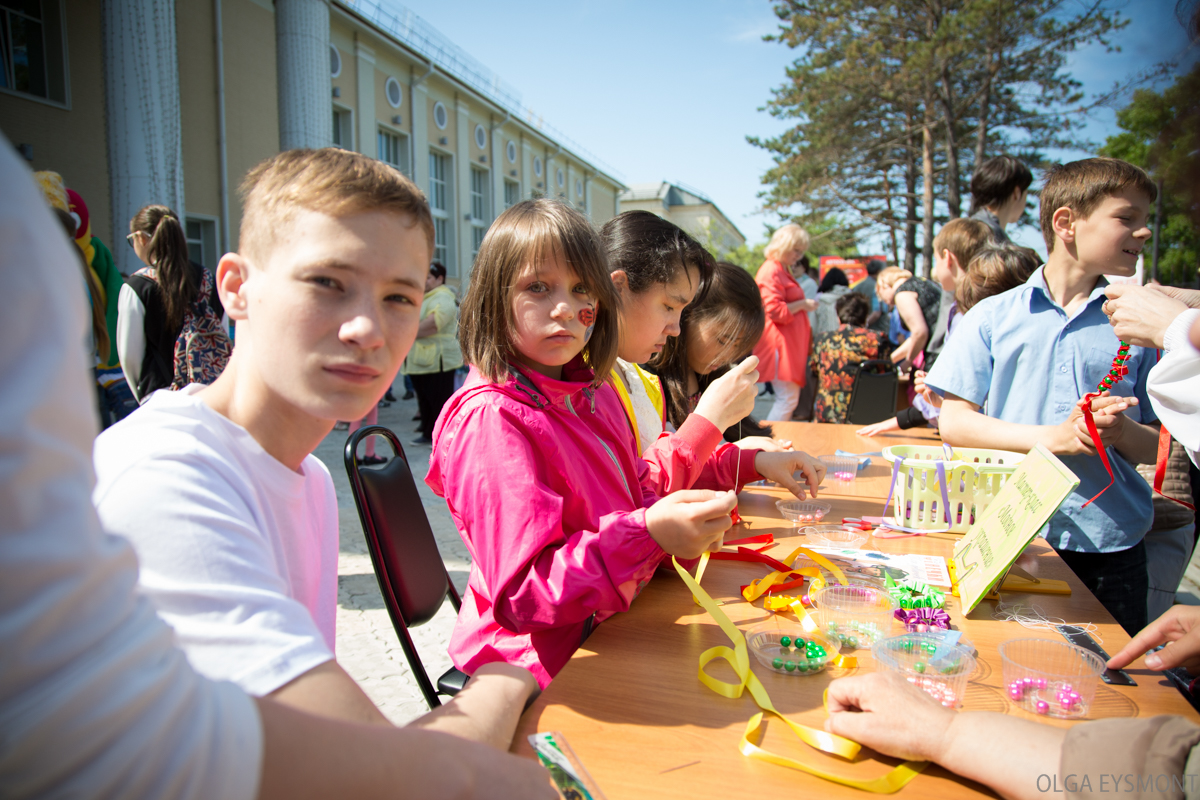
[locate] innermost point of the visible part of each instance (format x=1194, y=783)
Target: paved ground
x=367, y=646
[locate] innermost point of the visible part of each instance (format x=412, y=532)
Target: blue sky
x=669, y=90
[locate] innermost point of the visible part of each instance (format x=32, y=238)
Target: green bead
x=919, y=666
x=790, y=666
x=802, y=667
x=852, y=642
x=777, y=663
x=908, y=645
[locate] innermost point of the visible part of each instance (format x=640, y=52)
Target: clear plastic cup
x=855, y=615
x=835, y=536
x=840, y=468
x=928, y=662
x=1050, y=678
x=803, y=512
x=791, y=650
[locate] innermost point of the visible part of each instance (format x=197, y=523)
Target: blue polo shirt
x=1024, y=360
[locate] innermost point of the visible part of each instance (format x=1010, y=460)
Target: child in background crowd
x=536, y=458
x=956, y=245
x=837, y=354
x=1033, y=352
x=657, y=269
x=157, y=305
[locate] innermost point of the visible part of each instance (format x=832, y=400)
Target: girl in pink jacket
x=536, y=460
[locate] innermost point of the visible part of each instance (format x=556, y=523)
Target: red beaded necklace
x=1114, y=376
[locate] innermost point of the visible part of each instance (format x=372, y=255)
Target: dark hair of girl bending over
x=718, y=330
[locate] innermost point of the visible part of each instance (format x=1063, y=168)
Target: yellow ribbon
x=739, y=658
x=700, y=572
x=758, y=588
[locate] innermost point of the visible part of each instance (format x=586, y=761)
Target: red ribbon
x=1085, y=405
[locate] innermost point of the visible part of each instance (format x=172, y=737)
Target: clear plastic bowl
x=928, y=662
x=1050, y=678
x=856, y=615
x=812, y=655
x=840, y=468
x=835, y=536
x=803, y=512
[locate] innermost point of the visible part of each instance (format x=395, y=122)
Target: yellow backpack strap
x=655, y=391
x=627, y=404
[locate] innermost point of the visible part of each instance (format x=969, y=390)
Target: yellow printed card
x=1009, y=523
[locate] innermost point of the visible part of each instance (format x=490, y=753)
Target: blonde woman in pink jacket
x=787, y=338
x=536, y=460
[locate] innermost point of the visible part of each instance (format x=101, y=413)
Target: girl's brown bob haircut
x=533, y=232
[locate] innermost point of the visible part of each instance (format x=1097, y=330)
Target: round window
x=440, y=117
x=480, y=137
x=511, y=152
x=578, y=188
x=335, y=61
x=558, y=176
x=391, y=89
x=537, y=166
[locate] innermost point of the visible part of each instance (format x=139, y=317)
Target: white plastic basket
x=973, y=479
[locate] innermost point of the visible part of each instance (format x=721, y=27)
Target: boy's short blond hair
x=533, y=232
x=1083, y=185
x=963, y=237
x=330, y=181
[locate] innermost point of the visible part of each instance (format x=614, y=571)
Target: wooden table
x=631, y=706
x=823, y=439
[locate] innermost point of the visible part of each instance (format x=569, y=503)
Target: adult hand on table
x=1140, y=314
x=730, y=397
x=888, y=714
x=688, y=522
x=780, y=468
x=1178, y=629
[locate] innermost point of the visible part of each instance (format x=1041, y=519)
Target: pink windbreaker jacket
x=697, y=457
x=545, y=488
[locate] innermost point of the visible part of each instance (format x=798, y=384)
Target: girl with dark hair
x=657, y=269
x=715, y=332
x=169, y=326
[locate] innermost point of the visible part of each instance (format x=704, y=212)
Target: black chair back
x=873, y=398
x=412, y=576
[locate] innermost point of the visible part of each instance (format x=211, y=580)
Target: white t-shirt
x=238, y=553
x=95, y=700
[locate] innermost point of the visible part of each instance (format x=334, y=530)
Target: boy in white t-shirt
x=234, y=521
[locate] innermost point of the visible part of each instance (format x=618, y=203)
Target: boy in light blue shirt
x=1032, y=352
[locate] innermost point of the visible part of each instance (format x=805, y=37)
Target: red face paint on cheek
x=587, y=316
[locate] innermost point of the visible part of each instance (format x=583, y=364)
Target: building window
x=511, y=152
x=578, y=188
x=479, y=193
x=343, y=135
x=393, y=93
x=480, y=137
x=393, y=149
x=440, y=117
x=335, y=62
x=202, y=242
x=512, y=193
x=537, y=166
x=439, y=205
x=479, y=208
x=32, y=60
x=559, y=178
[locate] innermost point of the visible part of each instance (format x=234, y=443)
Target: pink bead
x=1042, y=707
